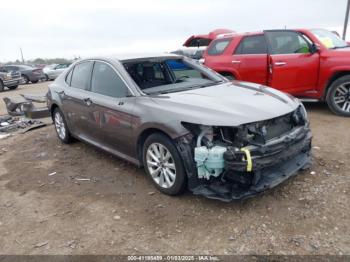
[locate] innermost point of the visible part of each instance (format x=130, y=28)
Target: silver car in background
x=53, y=71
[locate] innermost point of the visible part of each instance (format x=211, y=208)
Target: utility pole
x=21, y=55
x=346, y=19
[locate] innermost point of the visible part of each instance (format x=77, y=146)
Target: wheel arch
x=225, y=73
x=52, y=109
x=332, y=79
x=142, y=138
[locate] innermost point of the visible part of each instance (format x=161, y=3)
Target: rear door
x=112, y=106
x=251, y=58
x=292, y=67
x=219, y=57
x=76, y=99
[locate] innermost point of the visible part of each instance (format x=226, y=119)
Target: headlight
x=8, y=76
x=303, y=112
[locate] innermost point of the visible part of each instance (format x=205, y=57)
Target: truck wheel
x=25, y=79
x=1, y=86
x=338, y=96
x=35, y=81
x=164, y=165
x=228, y=76
x=12, y=87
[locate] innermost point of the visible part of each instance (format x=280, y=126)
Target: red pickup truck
x=309, y=64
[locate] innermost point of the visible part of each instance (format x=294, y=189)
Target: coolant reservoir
x=216, y=158
x=200, y=155
x=210, y=162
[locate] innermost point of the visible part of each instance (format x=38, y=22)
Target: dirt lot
x=118, y=211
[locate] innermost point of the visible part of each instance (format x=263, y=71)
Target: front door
x=293, y=68
x=112, y=108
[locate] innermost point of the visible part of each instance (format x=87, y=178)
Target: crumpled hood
x=227, y=104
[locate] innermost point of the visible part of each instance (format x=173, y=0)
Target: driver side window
x=287, y=43
x=106, y=81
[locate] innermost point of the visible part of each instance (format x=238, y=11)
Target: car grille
x=278, y=126
x=266, y=130
x=15, y=75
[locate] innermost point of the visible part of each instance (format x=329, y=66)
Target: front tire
x=61, y=127
x=338, y=96
x=163, y=164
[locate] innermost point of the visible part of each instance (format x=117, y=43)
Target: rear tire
x=338, y=96
x=61, y=126
x=1, y=86
x=229, y=76
x=25, y=79
x=35, y=81
x=12, y=87
x=47, y=77
x=161, y=158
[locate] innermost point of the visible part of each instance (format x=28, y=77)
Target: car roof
x=139, y=56
x=230, y=35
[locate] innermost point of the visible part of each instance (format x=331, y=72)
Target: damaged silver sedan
x=189, y=127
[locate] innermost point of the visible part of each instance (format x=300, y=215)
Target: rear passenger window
x=252, y=45
x=106, y=81
x=218, y=46
x=81, y=75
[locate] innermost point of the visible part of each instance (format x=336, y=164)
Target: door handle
x=235, y=62
x=120, y=103
x=60, y=92
x=87, y=101
x=280, y=63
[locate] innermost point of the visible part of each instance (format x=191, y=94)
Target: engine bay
x=240, y=156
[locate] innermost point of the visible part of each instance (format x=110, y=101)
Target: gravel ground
x=75, y=199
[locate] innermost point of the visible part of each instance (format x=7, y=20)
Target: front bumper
x=36, y=77
x=12, y=82
x=272, y=164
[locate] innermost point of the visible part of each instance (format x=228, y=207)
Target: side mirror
x=314, y=48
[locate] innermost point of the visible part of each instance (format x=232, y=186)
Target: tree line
x=46, y=61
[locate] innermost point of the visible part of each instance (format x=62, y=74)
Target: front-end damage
x=229, y=163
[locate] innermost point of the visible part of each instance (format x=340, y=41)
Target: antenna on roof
x=21, y=54
x=346, y=19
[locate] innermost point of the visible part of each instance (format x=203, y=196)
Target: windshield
x=329, y=39
x=170, y=75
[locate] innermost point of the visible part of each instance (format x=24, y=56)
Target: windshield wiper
x=183, y=89
x=208, y=84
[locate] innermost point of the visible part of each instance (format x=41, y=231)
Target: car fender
x=330, y=75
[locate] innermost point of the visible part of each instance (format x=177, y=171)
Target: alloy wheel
x=161, y=165
x=341, y=97
x=60, y=126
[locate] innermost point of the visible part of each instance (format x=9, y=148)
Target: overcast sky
x=68, y=28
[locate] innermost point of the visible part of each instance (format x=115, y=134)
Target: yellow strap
x=248, y=158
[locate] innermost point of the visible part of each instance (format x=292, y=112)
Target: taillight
x=37, y=71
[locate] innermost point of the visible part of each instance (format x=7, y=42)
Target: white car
x=53, y=71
